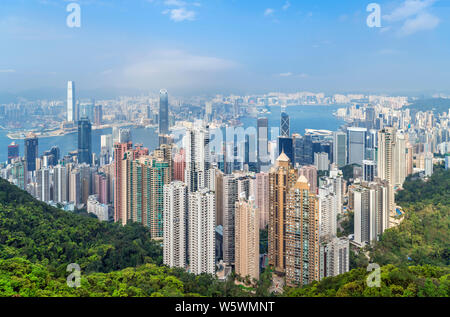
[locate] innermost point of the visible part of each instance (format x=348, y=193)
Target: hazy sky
x=223, y=46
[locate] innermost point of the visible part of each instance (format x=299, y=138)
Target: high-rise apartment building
x=175, y=224
x=302, y=247
x=282, y=178
x=198, y=173
x=262, y=198
x=247, y=238
x=201, y=232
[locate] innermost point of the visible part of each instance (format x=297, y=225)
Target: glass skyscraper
x=285, y=126
x=163, y=112
x=84, y=141
x=31, y=152
x=263, y=144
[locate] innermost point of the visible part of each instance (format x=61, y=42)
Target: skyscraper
x=356, y=140
x=286, y=146
x=302, y=248
x=282, y=178
x=198, y=173
x=84, y=141
x=31, y=152
x=262, y=144
x=163, y=112
x=340, y=148
x=247, y=238
x=262, y=198
x=201, y=232
x=13, y=152
x=72, y=107
x=98, y=114
x=230, y=196
x=285, y=126
x=175, y=225
x=120, y=181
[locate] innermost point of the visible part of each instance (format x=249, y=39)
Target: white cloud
x=269, y=12
x=287, y=5
x=181, y=14
x=409, y=8
x=7, y=70
x=289, y=74
x=412, y=16
x=422, y=22
x=176, y=68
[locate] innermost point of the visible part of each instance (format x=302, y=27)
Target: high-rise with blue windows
x=84, y=141
x=163, y=112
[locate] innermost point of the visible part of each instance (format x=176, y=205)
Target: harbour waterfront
x=301, y=118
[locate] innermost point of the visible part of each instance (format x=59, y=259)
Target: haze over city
x=218, y=46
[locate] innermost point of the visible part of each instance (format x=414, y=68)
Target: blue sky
x=224, y=46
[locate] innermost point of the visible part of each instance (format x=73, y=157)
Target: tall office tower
x=84, y=141
x=310, y=172
x=61, y=184
x=75, y=187
x=286, y=145
x=106, y=149
x=13, y=152
x=328, y=206
x=284, y=127
x=282, y=178
x=356, y=145
x=163, y=112
x=98, y=115
x=336, y=257
x=247, y=238
x=302, y=248
x=199, y=173
x=369, y=170
x=371, y=144
x=230, y=196
x=262, y=198
x=208, y=111
x=262, y=144
x=201, y=232
x=175, y=225
x=120, y=181
x=303, y=149
x=72, y=107
x=370, y=203
x=179, y=165
x=370, y=117
x=43, y=184
x=429, y=164
x=124, y=136
x=87, y=111
x=273, y=152
x=321, y=161
x=31, y=152
x=340, y=148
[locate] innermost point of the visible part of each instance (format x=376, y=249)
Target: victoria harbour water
x=301, y=118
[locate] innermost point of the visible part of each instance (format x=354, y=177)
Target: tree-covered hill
x=423, y=237
x=55, y=238
x=412, y=281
